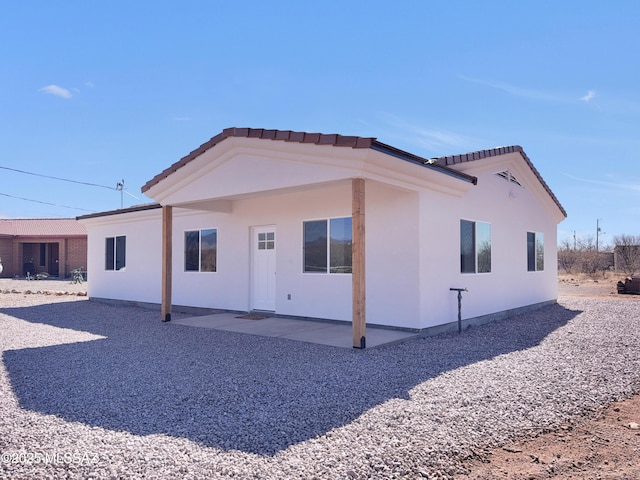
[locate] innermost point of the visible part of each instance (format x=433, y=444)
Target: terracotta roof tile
x=34, y=227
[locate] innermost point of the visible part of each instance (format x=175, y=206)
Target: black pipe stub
x=167, y=318
x=363, y=343
x=459, y=290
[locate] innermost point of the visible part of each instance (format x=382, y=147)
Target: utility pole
x=598, y=230
x=120, y=186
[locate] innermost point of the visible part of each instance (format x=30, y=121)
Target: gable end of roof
x=279, y=135
x=493, y=152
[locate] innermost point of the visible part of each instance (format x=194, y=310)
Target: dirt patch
x=605, y=445
x=600, y=287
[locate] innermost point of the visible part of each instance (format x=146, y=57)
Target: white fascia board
x=333, y=164
x=411, y=176
x=340, y=162
x=121, y=218
x=200, y=165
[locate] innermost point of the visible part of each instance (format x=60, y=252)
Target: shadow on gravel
x=233, y=391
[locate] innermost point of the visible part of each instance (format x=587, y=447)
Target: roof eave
x=410, y=157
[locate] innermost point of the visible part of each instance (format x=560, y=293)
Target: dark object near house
x=29, y=269
x=630, y=285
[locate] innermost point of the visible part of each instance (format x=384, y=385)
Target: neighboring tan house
x=54, y=246
x=334, y=227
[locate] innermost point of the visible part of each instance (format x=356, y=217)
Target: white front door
x=263, y=291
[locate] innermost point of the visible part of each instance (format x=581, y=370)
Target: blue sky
x=101, y=91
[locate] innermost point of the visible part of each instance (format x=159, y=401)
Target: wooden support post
x=358, y=264
x=167, y=228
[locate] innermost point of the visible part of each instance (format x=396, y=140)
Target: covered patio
x=322, y=332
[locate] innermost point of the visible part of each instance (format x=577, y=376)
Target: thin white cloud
x=589, y=96
x=57, y=91
x=89, y=84
x=437, y=141
x=609, y=185
x=514, y=90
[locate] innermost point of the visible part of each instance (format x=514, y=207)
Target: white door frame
x=263, y=268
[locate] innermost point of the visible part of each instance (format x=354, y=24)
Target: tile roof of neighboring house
x=441, y=163
x=47, y=227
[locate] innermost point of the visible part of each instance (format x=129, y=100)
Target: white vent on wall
x=508, y=176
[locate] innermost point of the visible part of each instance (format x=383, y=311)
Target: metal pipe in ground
x=459, y=290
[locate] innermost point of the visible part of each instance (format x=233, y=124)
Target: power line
x=45, y=203
x=58, y=178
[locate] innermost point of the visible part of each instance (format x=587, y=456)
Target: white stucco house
x=333, y=227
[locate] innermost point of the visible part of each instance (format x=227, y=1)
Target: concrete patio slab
x=310, y=331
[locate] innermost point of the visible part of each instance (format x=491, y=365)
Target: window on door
x=266, y=240
x=201, y=250
x=327, y=246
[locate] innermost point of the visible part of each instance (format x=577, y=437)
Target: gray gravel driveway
x=89, y=390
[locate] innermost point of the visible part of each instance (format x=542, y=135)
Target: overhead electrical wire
x=118, y=187
x=58, y=178
x=46, y=203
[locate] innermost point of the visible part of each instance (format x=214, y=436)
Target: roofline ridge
x=333, y=139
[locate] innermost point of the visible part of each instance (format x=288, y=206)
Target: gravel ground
x=95, y=391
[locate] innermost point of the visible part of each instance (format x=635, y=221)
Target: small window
x=115, y=253
x=475, y=247
x=201, y=250
x=327, y=246
x=535, y=251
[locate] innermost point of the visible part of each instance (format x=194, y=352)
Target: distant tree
x=588, y=256
x=567, y=257
x=582, y=255
x=627, y=253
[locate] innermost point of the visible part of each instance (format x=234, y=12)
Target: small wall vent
x=508, y=176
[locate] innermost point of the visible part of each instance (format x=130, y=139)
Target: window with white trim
x=201, y=250
x=327, y=246
x=535, y=251
x=115, y=253
x=475, y=247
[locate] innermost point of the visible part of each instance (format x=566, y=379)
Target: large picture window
x=201, y=250
x=115, y=253
x=327, y=246
x=475, y=247
x=535, y=251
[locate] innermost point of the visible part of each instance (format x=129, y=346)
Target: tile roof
x=444, y=164
x=47, y=227
x=299, y=137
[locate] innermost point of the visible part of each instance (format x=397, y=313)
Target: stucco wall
x=140, y=280
x=512, y=211
x=391, y=272
x=391, y=239
x=412, y=241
